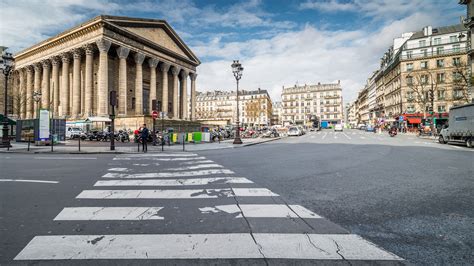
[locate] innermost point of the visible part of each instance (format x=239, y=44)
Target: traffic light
x=431, y=95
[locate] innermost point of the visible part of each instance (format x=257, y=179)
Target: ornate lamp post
x=6, y=65
x=37, y=99
x=237, y=69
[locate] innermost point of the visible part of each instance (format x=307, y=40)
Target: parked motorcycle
x=392, y=132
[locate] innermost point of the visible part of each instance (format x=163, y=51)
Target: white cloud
x=330, y=6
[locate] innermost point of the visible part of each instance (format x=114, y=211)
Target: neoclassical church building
x=141, y=59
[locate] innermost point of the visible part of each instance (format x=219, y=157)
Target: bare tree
x=423, y=86
x=462, y=81
x=254, y=108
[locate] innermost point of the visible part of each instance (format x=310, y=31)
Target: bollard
x=184, y=140
x=138, y=142
x=162, y=142
x=79, y=142
x=52, y=142
x=29, y=142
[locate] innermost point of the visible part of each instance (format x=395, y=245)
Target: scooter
x=392, y=133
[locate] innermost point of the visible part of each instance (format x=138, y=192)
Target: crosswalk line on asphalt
x=118, y=169
x=263, y=211
x=109, y=213
x=159, y=155
x=196, y=162
x=175, y=193
x=157, y=159
x=170, y=174
x=203, y=246
x=173, y=182
x=192, y=167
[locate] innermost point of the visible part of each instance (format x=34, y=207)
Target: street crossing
x=189, y=207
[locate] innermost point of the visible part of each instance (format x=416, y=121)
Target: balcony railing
x=428, y=44
x=434, y=53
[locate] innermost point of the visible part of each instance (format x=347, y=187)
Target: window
x=456, y=48
x=424, y=52
x=457, y=94
x=457, y=76
x=441, y=109
x=409, y=54
x=133, y=103
x=424, y=64
x=439, y=50
x=441, y=94
x=424, y=79
x=440, y=77
x=409, y=80
x=453, y=38
x=410, y=109
x=410, y=95
x=456, y=61
x=440, y=63
x=437, y=41
x=409, y=66
x=422, y=43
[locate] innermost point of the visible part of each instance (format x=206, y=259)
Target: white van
x=73, y=132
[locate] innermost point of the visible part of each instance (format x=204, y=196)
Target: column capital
x=153, y=62
x=184, y=73
x=55, y=60
x=193, y=76
x=46, y=64
x=77, y=53
x=122, y=52
x=139, y=57
x=89, y=49
x=29, y=68
x=175, y=70
x=103, y=45
x=164, y=67
x=37, y=67
x=65, y=58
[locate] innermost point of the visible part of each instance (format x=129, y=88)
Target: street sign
x=162, y=114
x=154, y=114
x=43, y=125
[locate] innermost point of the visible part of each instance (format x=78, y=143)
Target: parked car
x=294, y=131
x=361, y=126
x=461, y=126
x=73, y=132
x=370, y=128
x=338, y=127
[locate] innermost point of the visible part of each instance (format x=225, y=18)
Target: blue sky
x=279, y=43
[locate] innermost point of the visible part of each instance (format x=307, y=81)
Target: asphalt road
x=411, y=197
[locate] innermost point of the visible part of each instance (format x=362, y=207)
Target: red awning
x=414, y=120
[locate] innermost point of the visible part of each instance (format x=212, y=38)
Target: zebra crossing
x=188, y=207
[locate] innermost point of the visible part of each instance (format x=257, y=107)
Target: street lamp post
x=6, y=65
x=237, y=69
x=37, y=99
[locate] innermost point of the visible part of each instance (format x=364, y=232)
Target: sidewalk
x=72, y=148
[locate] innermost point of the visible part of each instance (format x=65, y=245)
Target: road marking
x=158, y=159
x=175, y=194
x=158, y=155
x=119, y=169
x=192, y=167
x=196, y=162
x=263, y=211
x=109, y=213
x=312, y=136
x=174, y=182
x=325, y=134
x=203, y=246
x=335, y=135
x=65, y=158
x=346, y=136
x=362, y=137
x=142, y=164
x=29, y=181
x=170, y=174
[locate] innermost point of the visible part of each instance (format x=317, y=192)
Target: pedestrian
x=144, y=135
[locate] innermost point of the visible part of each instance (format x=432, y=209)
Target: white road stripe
x=173, y=182
x=175, y=194
x=109, y=213
x=170, y=174
x=158, y=159
x=203, y=246
x=263, y=211
x=158, y=155
x=29, y=181
x=197, y=162
x=118, y=169
x=192, y=167
x=325, y=134
x=65, y=158
x=346, y=136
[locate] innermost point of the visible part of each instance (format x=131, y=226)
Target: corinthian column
x=76, y=83
x=103, y=79
x=184, y=94
x=22, y=94
x=64, y=91
x=122, y=53
x=55, y=63
x=164, y=67
x=37, y=86
x=45, y=101
x=139, y=84
x=88, y=79
x=193, y=96
x=29, y=92
x=175, y=71
x=152, y=63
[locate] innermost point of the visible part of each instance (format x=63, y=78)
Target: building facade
x=299, y=103
x=277, y=110
x=219, y=108
x=141, y=59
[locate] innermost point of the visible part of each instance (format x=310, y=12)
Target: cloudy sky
x=279, y=42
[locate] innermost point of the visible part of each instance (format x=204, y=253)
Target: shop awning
x=98, y=119
x=414, y=120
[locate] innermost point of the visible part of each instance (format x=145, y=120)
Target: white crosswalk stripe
x=180, y=184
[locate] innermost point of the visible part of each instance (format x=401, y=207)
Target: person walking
x=144, y=135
